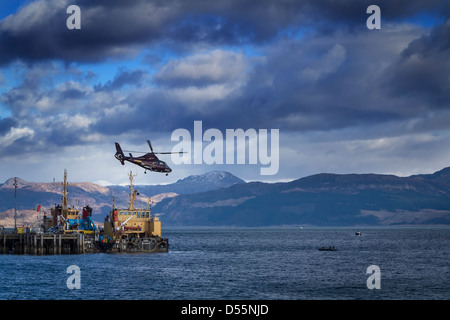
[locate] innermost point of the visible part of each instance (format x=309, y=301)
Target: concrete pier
x=74, y=243
x=45, y=243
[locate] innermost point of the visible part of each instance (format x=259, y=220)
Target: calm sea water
x=250, y=264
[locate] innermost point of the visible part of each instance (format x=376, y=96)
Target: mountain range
x=193, y=184
x=221, y=199
x=322, y=200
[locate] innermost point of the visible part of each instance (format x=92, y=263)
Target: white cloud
x=31, y=15
x=15, y=134
x=217, y=66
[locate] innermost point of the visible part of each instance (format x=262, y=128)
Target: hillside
x=322, y=200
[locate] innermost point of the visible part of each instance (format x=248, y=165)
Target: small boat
x=358, y=233
x=330, y=248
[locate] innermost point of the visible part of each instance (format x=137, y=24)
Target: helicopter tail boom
x=119, y=154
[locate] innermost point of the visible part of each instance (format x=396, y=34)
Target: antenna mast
x=15, y=205
x=65, y=205
x=132, y=194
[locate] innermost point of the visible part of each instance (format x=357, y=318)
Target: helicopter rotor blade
x=179, y=152
x=136, y=151
x=151, y=149
x=150, y=145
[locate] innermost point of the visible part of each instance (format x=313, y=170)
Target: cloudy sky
x=345, y=99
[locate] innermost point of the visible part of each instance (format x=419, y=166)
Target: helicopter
x=149, y=161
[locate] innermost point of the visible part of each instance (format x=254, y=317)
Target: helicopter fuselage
x=148, y=161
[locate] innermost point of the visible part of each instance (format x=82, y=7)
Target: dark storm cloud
x=423, y=69
x=349, y=12
x=321, y=81
x=117, y=28
x=340, y=81
x=309, y=84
